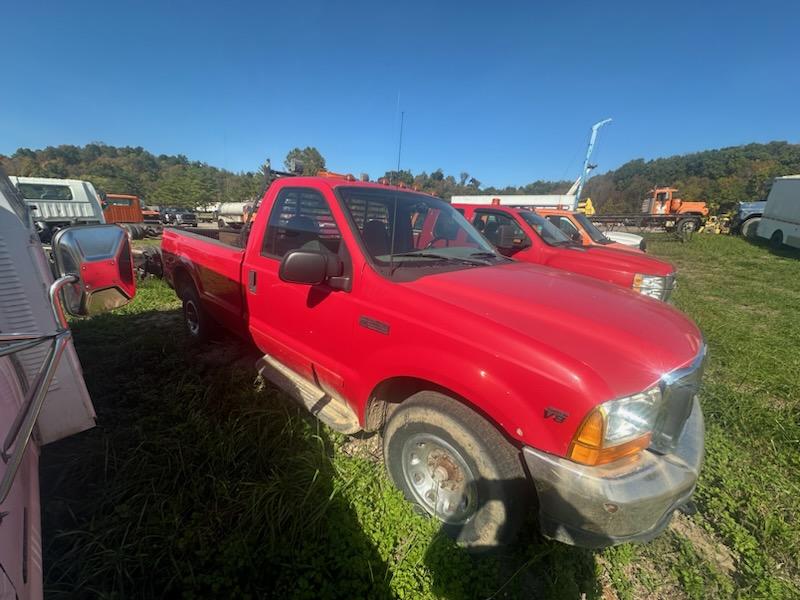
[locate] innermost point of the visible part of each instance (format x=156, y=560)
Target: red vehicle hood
x=629, y=341
x=594, y=258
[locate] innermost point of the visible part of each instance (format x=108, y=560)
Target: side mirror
x=505, y=237
x=576, y=237
x=99, y=258
x=313, y=268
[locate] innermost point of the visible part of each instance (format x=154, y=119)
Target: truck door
x=304, y=327
x=489, y=222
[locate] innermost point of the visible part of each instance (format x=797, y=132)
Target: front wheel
x=457, y=467
x=749, y=228
x=776, y=241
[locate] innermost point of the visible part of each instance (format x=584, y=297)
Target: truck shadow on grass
x=532, y=567
x=196, y=483
x=201, y=482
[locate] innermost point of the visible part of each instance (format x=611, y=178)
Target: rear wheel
x=221, y=223
x=457, y=467
x=776, y=241
x=198, y=324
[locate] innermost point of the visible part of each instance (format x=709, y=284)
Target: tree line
x=718, y=177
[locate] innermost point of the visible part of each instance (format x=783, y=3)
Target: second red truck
x=495, y=383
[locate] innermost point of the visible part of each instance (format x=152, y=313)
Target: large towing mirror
x=99, y=259
x=314, y=268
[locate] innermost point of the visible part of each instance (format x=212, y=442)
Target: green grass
x=201, y=481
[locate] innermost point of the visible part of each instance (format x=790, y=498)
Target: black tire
x=199, y=325
x=776, y=241
x=749, y=228
x=688, y=226
x=221, y=224
x=463, y=465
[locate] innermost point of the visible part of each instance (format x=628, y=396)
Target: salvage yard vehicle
x=43, y=397
x=178, y=217
x=662, y=209
x=580, y=229
x=233, y=214
x=59, y=203
x=781, y=221
x=526, y=236
x=126, y=211
x=746, y=218
x=383, y=309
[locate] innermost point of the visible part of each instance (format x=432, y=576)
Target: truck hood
x=596, y=259
x=623, y=237
x=627, y=340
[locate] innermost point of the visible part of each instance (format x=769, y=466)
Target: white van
x=58, y=203
x=781, y=221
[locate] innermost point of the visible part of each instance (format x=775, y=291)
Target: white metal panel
x=567, y=202
x=84, y=206
x=25, y=308
x=783, y=202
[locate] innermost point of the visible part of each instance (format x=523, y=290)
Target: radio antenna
x=400, y=142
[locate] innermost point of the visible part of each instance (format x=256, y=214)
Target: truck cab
x=526, y=236
x=59, y=203
x=579, y=228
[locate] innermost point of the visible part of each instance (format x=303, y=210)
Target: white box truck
x=781, y=221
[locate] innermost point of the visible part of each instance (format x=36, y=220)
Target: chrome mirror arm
x=25, y=421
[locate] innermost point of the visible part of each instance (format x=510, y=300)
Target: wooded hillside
x=719, y=177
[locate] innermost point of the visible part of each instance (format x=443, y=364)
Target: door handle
x=251, y=281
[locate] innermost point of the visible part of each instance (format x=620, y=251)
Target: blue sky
x=506, y=91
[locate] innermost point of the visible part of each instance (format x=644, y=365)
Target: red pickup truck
x=527, y=236
x=383, y=309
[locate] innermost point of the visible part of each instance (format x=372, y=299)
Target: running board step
x=332, y=411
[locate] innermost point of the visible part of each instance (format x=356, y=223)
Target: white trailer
x=780, y=223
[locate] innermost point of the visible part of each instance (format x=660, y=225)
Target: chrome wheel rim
x=192, y=318
x=439, y=478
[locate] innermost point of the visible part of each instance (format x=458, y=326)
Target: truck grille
x=678, y=388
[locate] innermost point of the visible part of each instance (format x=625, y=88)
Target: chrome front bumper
x=601, y=506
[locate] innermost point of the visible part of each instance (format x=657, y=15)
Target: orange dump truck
x=663, y=208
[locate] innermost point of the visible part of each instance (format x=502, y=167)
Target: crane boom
x=586, y=166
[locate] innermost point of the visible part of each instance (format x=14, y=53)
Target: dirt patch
x=713, y=551
x=364, y=445
x=661, y=585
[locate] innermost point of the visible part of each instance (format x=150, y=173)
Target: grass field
x=202, y=481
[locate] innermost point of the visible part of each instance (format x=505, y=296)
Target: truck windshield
x=407, y=230
x=550, y=234
x=597, y=236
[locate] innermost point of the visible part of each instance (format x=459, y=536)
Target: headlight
x=650, y=285
x=616, y=429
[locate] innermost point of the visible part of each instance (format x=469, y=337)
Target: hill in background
x=719, y=177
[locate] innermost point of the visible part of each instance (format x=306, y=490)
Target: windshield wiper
x=441, y=257
x=447, y=257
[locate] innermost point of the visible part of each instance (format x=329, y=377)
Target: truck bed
x=214, y=265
